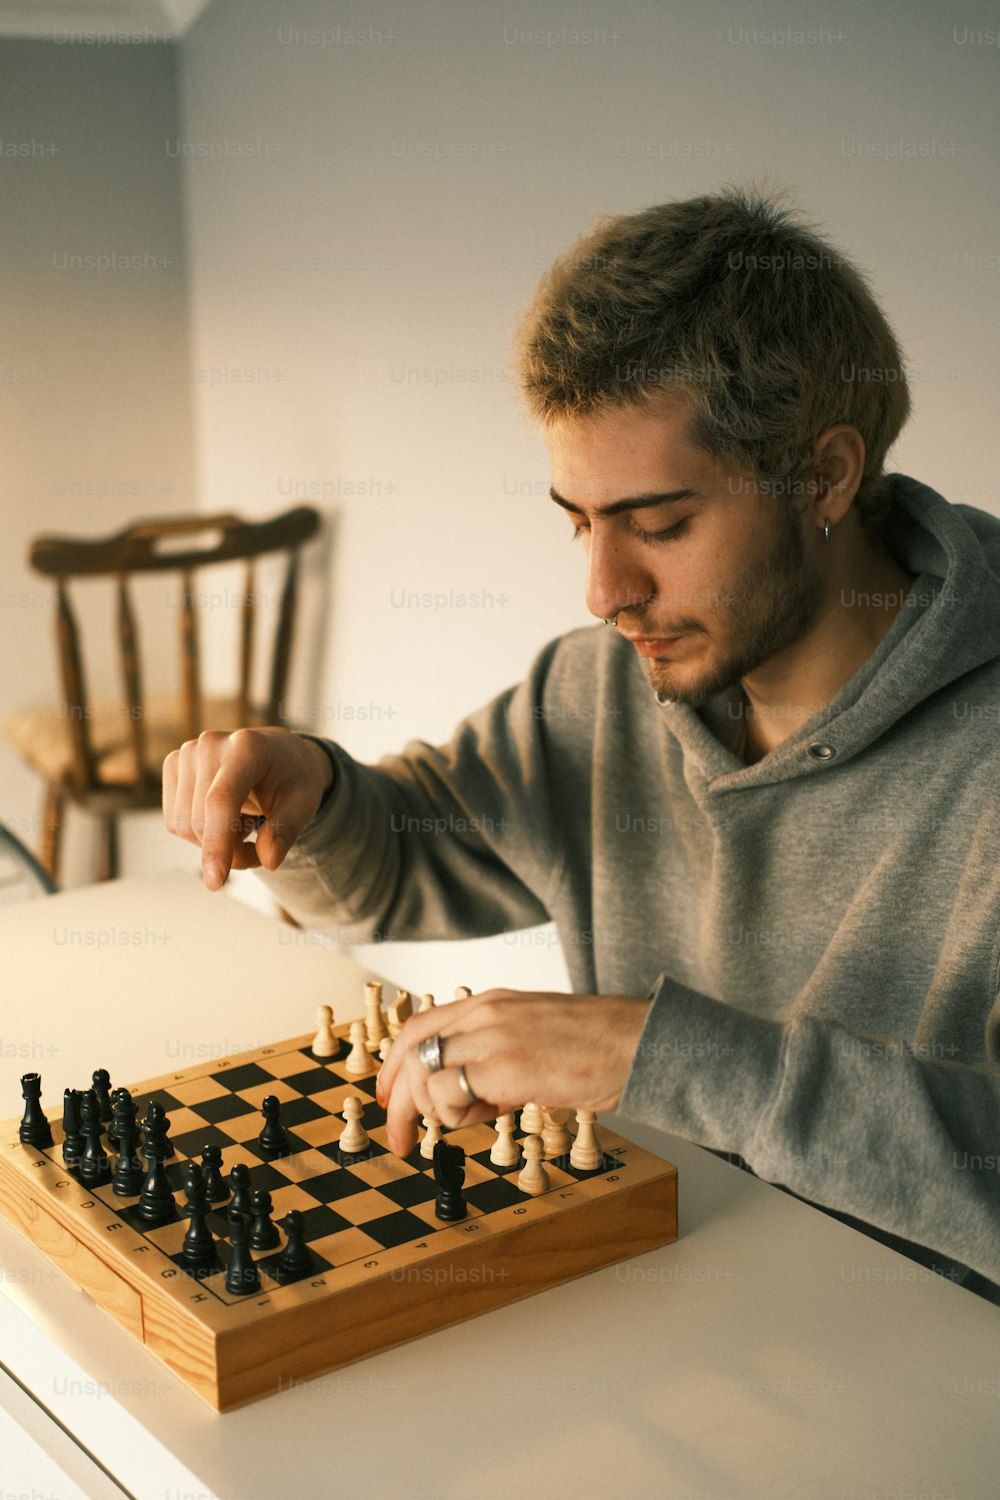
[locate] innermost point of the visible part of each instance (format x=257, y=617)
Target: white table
x=771, y=1352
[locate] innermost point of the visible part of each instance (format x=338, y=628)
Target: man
x=760, y=803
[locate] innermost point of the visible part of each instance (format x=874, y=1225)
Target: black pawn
x=35, y=1129
x=93, y=1166
x=198, y=1249
x=215, y=1187
x=72, y=1136
x=295, y=1261
x=129, y=1175
x=156, y=1201
x=239, y=1181
x=116, y=1095
x=102, y=1088
x=242, y=1276
x=449, y=1174
x=264, y=1232
x=156, y=1122
x=273, y=1140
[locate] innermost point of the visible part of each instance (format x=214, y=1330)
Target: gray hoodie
x=819, y=931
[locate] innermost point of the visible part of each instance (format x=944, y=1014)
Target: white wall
x=94, y=392
x=408, y=171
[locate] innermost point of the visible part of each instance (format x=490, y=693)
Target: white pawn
x=384, y=1048
x=587, y=1153
x=531, y=1119
x=533, y=1178
x=354, y=1137
x=506, y=1152
x=463, y=992
x=324, y=1042
x=432, y=1134
x=375, y=1026
x=555, y=1137
x=358, y=1059
x=426, y=1003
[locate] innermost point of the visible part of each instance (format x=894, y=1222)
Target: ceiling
x=99, y=20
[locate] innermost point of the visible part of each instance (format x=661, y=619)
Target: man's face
x=709, y=583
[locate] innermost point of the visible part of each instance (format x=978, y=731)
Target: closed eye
x=669, y=534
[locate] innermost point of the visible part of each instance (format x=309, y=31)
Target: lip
x=651, y=645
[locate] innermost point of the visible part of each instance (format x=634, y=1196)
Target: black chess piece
x=156, y=1201
x=156, y=1119
x=129, y=1174
x=296, y=1260
x=35, y=1129
x=102, y=1088
x=449, y=1174
x=94, y=1168
x=264, y=1232
x=198, y=1248
x=273, y=1140
x=242, y=1276
x=72, y=1136
x=112, y=1131
x=239, y=1181
x=215, y=1186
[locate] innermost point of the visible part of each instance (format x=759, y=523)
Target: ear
x=840, y=467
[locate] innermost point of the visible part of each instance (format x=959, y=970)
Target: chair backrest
x=152, y=547
x=21, y=876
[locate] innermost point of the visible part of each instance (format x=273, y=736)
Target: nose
x=616, y=577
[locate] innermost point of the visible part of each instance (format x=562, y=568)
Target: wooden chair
x=104, y=759
x=21, y=876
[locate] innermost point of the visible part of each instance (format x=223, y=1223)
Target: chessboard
x=383, y=1268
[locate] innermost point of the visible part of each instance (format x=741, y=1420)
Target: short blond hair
x=772, y=334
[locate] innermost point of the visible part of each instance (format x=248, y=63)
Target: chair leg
x=109, y=847
x=52, y=826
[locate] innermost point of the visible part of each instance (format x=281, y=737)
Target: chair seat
x=41, y=736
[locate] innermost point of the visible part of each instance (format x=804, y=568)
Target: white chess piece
x=375, y=1027
x=324, y=1042
x=531, y=1119
x=354, y=1137
x=358, y=1059
x=533, y=1178
x=462, y=992
x=587, y=1154
x=506, y=1152
x=399, y=1012
x=555, y=1137
x=426, y=1003
x=384, y=1048
x=432, y=1134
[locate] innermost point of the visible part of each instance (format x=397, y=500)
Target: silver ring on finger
x=430, y=1052
x=466, y=1087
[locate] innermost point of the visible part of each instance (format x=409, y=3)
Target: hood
x=948, y=626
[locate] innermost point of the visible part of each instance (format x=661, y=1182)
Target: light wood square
x=361, y=1208
x=305, y=1164
x=197, y=1090
x=241, y=1127
x=382, y=1169
x=287, y=1198
x=182, y=1121
x=333, y=1100
x=285, y=1064
x=345, y=1246
x=320, y=1132
x=279, y=1088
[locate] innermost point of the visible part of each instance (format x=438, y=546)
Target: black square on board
x=407, y=1191
x=491, y=1196
x=246, y=1076
x=396, y=1229
x=321, y=1221
x=225, y=1107
x=328, y=1187
x=301, y=1111
x=314, y=1081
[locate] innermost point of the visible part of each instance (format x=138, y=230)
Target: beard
x=767, y=608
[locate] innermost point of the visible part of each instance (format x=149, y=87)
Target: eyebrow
x=634, y=502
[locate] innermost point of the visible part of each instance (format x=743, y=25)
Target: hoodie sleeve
x=863, y=1126
x=448, y=842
